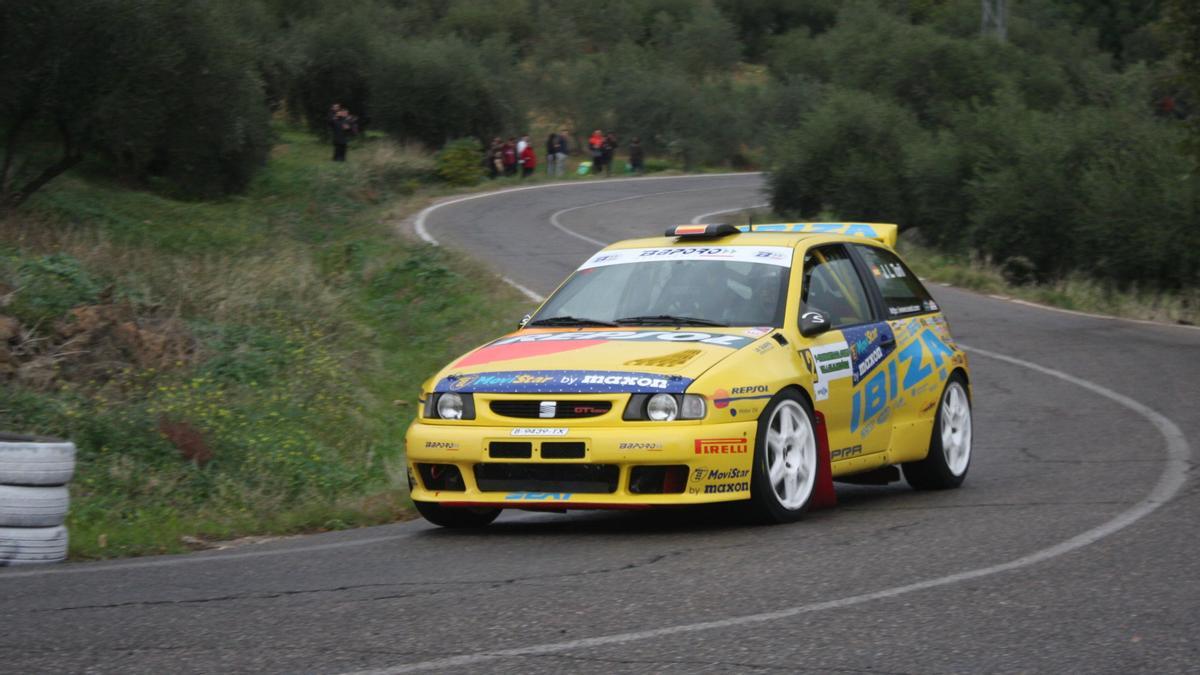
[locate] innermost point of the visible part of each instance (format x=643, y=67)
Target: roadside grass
x=1074, y=292
x=281, y=340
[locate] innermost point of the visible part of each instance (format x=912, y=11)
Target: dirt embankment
x=91, y=344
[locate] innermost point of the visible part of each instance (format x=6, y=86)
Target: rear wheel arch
x=962, y=372
x=942, y=468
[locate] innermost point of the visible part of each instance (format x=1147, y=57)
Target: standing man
x=340, y=129
x=508, y=155
x=609, y=149
x=637, y=156
x=555, y=155
x=528, y=160
x=596, y=145
x=563, y=150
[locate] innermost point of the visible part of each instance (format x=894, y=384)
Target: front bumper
x=604, y=466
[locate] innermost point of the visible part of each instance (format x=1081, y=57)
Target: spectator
x=596, y=145
x=493, y=159
x=637, y=156
x=508, y=156
x=528, y=160
x=556, y=154
x=341, y=128
x=524, y=141
x=608, y=148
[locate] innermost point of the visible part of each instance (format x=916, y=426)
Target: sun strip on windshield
x=780, y=256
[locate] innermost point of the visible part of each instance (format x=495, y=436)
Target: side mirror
x=524, y=320
x=813, y=322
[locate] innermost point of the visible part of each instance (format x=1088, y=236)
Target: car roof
x=767, y=234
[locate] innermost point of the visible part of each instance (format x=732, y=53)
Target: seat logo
x=547, y=408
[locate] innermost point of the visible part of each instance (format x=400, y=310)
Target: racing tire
x=784, y=473
x=949, y=455
x=32, y=545
x=35, y=460
x=459, y=517
x=22, y=506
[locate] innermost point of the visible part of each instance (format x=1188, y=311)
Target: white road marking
x=1090, y=315
x=170, y=561
x=422, y=229
x=1168, y=485
x=558, y=223
x=705, y=216
x=528, y=292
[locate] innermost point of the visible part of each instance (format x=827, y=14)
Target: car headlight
x=662, y=408
x=450, y=406
x=693, y=407
x=665, y=407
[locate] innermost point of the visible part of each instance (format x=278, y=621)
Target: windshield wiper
x=569, y=321
x=670, y=319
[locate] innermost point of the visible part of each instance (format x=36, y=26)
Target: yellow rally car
x=718, y=363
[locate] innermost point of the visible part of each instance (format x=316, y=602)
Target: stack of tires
x=34, y=472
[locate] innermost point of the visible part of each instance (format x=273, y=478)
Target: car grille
x=581, y=478
x=550, y=409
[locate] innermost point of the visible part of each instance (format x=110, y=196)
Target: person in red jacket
x=528, y=160
x=596, y=145
x=508, y=156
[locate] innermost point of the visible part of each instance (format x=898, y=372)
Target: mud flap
x=823, y=496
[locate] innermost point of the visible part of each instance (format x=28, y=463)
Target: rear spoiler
x=884, y=233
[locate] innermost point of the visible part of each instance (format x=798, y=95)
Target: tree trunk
x=10, y=152
x=70, y=157
x=15, y=199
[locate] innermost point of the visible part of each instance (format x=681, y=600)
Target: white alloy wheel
x=956, y=428
x=791, y=455
x=949, y=455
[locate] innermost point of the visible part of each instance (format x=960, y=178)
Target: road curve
x=1071, y=547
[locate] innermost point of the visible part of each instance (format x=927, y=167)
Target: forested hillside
x=1040, y=148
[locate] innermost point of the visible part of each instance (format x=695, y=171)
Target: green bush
x=48, y=286
x=846, y=155
x=461, y=162
x=435, y=90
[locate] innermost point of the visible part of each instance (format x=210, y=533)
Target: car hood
x=643, y=360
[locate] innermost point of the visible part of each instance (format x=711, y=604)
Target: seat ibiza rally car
x=718, y=363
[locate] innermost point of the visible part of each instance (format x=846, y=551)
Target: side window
x=903, y=294
x=832, y=285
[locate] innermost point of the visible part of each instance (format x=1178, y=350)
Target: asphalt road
x=1072, y=546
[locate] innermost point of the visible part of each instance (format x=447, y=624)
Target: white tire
x=22, y=506
x=32, y=545
x=34, y=460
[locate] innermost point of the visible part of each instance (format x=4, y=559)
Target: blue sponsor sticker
x=565, y=382
x=869, y=346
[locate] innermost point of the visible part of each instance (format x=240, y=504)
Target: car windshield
x=703, y=286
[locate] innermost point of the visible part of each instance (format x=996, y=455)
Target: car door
x=922, y=357
x=845, y=358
